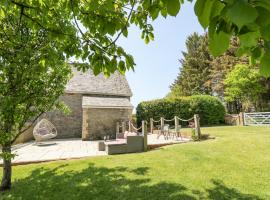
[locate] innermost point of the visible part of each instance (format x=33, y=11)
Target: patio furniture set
x=169, y=133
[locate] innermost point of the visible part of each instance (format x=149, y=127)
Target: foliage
x=243, y=84
x=90, y=29
x=213, y=169
x=33, y=74
x=176, y=91
x=249, y=20
x=195, y=68
x=224, y=64
x=209, y=108
x=201, y=73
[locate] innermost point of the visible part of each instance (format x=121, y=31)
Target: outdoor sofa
x=125, y=143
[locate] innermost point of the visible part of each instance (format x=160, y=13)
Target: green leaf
x=125, y=32
x=164, y=12
x=241, y=51
x=265, y=31
x=265, y=64
x=151, y=36
x=146, y=4
x=42, y=63
x=263, y=18
x=249, y=39
x=263, y=3
x=242, y=13
x=96, y=70
x=2, y=13
x=130, y=62
x=256, y=53
x=113, y=65
x=110, y=28
x=146, y=39
x=154, y=12
x=219, y=43
x=206, y=10
x=216, y=9
x=122, y=67
x=173, y=7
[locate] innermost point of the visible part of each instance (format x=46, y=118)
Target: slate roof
x=105, y=102
x=88, y=83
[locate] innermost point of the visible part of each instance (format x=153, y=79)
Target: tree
x=222, y=65
x=243, y=86
x=202, y=73
x=94, y=26
x=33, y=74
x=195, y=68
x=176, y=91
x=193, y=78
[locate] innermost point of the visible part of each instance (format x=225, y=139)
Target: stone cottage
x=96, y=103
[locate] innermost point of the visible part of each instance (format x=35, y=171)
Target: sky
x=157, y=63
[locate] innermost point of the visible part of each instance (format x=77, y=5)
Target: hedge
x=210, y=109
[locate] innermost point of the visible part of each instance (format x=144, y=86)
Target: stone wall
x=95, y=125
x=25, y=136
x=102, y=121
x=69, y=126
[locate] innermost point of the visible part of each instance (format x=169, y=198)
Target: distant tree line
x=232, y=77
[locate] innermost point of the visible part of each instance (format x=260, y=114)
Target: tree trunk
x=6, y=179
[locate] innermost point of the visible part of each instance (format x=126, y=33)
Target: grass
x=235, y=165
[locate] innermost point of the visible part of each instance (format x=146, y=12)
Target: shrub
x=210, y=109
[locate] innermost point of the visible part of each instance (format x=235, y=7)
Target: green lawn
x=235, y=165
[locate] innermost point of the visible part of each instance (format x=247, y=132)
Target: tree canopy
x=89, y=29
x=195, y=68
x=201, y=73
x=222, y=65
x=33, y=74
x=243, y=86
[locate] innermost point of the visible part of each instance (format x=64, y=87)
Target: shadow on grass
x=101, y=183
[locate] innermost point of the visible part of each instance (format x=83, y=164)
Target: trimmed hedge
x=210, y=109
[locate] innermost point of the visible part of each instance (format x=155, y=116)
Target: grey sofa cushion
x=135, y=144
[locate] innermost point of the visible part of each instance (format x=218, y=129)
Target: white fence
x=257, y=119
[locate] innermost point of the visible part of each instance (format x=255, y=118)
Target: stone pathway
x=71, y=149
x=55, y=150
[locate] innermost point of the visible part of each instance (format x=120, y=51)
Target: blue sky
x=157, y=63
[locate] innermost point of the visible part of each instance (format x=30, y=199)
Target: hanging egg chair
x=44, y=130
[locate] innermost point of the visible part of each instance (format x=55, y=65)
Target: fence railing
x=257, y=119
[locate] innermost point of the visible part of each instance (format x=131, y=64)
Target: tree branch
x=121, y=32
x=29, y=126
x=22, y=4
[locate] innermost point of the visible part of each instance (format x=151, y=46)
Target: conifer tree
x=195, y=67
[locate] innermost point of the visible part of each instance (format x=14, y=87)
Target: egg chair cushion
x=44, y=130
